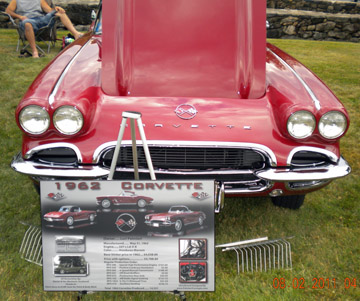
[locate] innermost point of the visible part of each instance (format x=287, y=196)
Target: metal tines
x=260, y=254
x=31, y=246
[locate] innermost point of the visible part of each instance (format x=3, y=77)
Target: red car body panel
x=210, y=54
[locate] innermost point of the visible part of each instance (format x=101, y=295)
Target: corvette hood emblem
x=185, y=111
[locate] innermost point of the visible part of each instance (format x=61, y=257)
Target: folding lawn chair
x=46, y=34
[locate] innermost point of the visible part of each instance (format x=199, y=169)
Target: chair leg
x=24, y=48
x=48, y=44
x=39, y=48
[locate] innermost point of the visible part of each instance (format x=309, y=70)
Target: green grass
x=326, y=229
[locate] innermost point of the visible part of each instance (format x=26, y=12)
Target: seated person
x=35, y=14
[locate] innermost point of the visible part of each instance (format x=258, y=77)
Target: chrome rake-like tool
x=31, y=245
x=260, y=254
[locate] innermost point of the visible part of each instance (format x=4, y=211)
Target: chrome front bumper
x=46, y=171
x=321, y=173
x=271, y=175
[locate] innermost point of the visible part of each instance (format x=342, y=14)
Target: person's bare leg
x=30, y=36
x=67, y=23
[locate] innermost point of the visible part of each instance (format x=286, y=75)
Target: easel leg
x=146, y=150
x=117, y=149
x=134, y=150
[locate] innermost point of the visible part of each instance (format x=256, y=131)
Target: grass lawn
x=326, y=229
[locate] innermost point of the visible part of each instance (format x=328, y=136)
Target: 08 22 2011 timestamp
x=316, y=283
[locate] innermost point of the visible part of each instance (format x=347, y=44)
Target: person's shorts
x=38, y=22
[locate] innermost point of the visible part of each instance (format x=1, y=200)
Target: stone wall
x=314, y=19
x=343, y=7
x=296, y=24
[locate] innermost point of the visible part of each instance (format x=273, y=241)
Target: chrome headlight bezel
x=35, y=115
x=65, y=114
x=301, y=124
x=328, y=123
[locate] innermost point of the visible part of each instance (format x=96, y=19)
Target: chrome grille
x=187, y=158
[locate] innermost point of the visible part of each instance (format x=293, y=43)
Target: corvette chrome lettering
x=161, y=186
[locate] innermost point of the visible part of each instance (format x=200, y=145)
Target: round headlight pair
x=35, y=120
x=302, y=124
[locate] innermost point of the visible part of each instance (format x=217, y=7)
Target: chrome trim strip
x=170, y=143
x=55, y=171
x=31, y=152
x=245, y=191
x=307, y=185
x=329, y=172
x=61, y=78
x=325, y=152
x=307, y=88
x=190, y=172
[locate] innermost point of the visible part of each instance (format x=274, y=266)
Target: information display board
x=128, y=235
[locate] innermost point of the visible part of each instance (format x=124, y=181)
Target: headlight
x=34, y=119
x=332, y=125
x=68, y=120
x=301, y=124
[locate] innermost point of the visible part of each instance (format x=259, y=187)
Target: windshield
x=177, y=209
x=64, y=209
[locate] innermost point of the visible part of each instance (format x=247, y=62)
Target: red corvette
x=124, y=198
x=69, y=215
x=217, y=102
x=177, y=217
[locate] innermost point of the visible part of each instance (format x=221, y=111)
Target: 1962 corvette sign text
x=134, y=186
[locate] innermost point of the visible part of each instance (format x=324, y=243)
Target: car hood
x=219, y=45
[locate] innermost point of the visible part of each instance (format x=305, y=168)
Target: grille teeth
x=189, y=158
